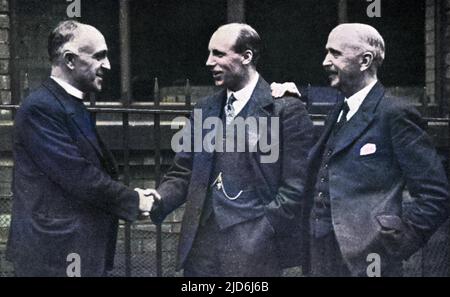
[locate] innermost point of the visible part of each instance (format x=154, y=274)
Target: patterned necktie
x=343, y=119
x=229, y=109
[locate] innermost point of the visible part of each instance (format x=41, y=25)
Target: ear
x=247, y=57
x=366, y=61
x=69, y=58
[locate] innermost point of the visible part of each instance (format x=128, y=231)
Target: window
x=402, y=25
x=169, y=40
x=294, y=34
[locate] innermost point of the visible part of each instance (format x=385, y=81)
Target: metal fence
x=145, y=249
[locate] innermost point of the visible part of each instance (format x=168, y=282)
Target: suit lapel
x=76, y=112
x=84, y=126
x=214, y=106
x=259, y=101
x=361, y=120
x=212, y=109
x=258, y=107
x=330, y=121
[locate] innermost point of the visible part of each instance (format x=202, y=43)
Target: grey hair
x=64, y=32
x=369, y=39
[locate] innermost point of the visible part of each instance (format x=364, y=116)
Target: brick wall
x=446, y=53
x=5, y=98
x=438, y=67
x=430, y=50
x=5, y=78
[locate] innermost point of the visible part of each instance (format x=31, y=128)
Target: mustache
x=331, y=71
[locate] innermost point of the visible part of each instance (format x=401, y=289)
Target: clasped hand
x=147, y=198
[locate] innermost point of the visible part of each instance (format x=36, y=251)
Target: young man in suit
x=67, y=201
x=242, y=210
x=372, y=146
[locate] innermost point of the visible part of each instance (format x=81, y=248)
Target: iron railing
x=148, y=250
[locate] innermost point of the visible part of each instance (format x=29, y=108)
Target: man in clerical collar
x=67, y=200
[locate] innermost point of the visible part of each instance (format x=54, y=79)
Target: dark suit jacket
x=65, y=199
x=281, y=184
x=366, y=190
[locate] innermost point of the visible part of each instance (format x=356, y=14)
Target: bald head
x=241, y=37
x=233, y=54
x=79, y=55
x=354, y=54
x=363, y=38
x=73, y=36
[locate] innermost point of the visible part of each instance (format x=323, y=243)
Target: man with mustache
x=372, y=146
x=242, y=215
x=67, y=202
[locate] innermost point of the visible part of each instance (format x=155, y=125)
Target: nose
x=210, y=61
x=106, y=64
x=326, y=62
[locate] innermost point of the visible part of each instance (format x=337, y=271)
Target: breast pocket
x=379, y=155
x=376, y=171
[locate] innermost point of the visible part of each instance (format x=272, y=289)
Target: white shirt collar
x=355, y=101
x=243, y=95
x=69, y=88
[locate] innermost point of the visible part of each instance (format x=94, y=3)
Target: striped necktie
x=229, y=109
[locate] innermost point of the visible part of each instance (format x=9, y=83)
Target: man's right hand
x=146, y=199
x=288, y=88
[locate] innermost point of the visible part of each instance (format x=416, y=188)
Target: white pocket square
x=368, y=149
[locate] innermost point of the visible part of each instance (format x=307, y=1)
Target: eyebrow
x=102, y=53
x=217, y=52
x=333, y=51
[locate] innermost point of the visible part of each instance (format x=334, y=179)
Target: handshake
x=147, y=198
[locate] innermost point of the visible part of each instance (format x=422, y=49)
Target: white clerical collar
x=355, y=101
x=243, y=95
x=69, y=88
